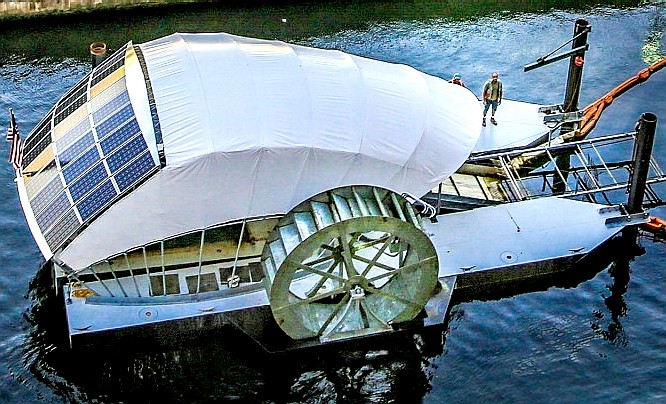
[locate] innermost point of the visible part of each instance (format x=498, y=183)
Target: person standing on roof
x=457, y=80
x=492, y=96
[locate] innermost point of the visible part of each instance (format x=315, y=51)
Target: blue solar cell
x=111, y=106
x=46, y=195
x=68, y=138
x=76, y=149
x=115, y=120
x=53, y=212
x=126, y=153
x=120, y=136
x=89, y=181
x=78, y=166
x=135, y=172
x=59, y=233
x=93, y=203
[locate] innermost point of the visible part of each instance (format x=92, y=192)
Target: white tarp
x=253, y=127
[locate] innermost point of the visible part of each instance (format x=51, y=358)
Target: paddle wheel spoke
x=315, y=271
x=346, y=254
x=405, y=269
x=392, y=296
x=313, y=299
x=376, y=264
x=322, y=280
x=333, y=314
x=377, y=256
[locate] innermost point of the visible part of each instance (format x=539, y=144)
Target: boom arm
x=592, y=112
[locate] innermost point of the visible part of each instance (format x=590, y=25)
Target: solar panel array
x=85, y=153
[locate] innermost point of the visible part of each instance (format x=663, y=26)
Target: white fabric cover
x=253, y=127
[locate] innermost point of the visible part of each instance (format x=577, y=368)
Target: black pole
x=98, y=52
x=574, y=79
x=646, y=128
x=575, y=76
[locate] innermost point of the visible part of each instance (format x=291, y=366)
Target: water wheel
x=348, y=262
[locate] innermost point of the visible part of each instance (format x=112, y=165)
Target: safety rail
x=215, y=259
x=573, y=170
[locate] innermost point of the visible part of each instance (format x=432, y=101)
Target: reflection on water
x=654, y=48
x=32, y=7
x=619, y=271
x=221, y=365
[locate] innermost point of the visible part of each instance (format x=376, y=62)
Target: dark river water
x=599, y=338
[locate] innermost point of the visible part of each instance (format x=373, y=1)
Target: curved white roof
x=252, y=127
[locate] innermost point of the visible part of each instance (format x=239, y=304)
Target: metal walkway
x=574, y=170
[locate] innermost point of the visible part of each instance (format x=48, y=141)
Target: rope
x=592, y=112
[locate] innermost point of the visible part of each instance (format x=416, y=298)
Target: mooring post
x=574, y=79
x=98, y=52
x=645, y=131
x=575, y=76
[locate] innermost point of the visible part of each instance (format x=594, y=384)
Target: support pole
x=98, y=52
x=575, y=76
x=574, y=79
x=646, y=128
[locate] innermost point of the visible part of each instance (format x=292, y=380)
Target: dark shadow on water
x=616, y=252
x=619, y=271
x=221, y=365
x=224, y=365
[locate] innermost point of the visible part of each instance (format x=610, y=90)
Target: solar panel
x=111, y=106
x=105, y=127
x=135, y=171
x=70, y=106
x=109, y=93
x=91, y=204
x=46, y=195
x=35, y=183
x=73, y=94
x=78, y=166
x=109, y=62
x=126, y=153
x=65, y=227
x=53, y=212
x=111, y=122
x=103, y=71
x=76, y=149
x=68, y=138
x=37, y=136
x=89, y=181
x=110, y=143
x=36, y=151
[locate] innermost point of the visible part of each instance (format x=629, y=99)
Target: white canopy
x=253, y=127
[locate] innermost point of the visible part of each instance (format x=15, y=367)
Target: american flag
x=15, y=155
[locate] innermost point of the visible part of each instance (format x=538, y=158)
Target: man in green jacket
x=492, y=96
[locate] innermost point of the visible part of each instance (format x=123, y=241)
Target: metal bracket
x=575, y=116
x=607, y=209
x=627, y=220
x=550, y=109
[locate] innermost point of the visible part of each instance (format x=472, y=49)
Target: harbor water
x=600, y=336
